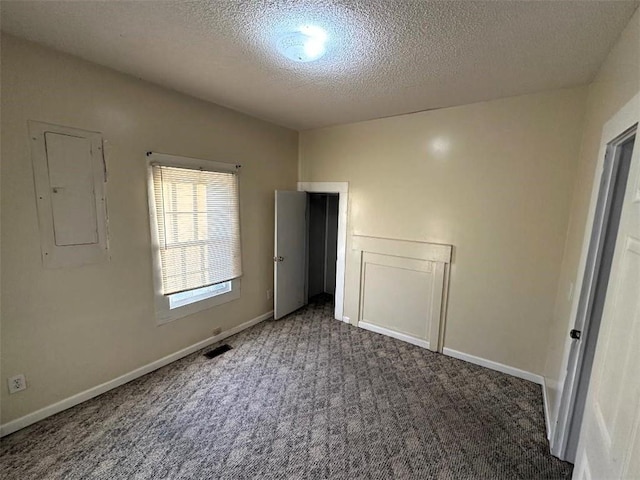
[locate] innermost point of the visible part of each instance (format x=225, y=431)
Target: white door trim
x=342, y=189
x=609, y=439
x=618, y=123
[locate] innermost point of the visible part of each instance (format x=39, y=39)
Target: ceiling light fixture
x=306, y=44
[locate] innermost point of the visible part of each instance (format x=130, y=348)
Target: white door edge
x=617, y=123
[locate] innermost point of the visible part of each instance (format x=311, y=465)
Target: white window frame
x=162, y=303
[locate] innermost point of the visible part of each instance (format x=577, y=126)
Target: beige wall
x=498, y=180
x=616, y=83
x=493, y=179
x=70, y=329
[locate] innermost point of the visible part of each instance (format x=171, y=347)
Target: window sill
x=165, y=315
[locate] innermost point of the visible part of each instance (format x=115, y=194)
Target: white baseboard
x=545, y=403
x=516, y=372
x=390, y=333
x=74, y=400
x=500, y=367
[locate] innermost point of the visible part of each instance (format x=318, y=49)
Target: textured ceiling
x=384, y=57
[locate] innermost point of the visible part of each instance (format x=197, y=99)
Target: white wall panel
x=403, y=289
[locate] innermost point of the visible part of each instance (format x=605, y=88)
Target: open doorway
x=322, y=246
x=309, y=263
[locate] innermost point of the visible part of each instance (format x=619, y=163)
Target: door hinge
x=575, y=334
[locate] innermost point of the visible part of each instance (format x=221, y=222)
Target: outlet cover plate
x=17, y=383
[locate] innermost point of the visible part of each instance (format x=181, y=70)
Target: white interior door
x=609, y=446
x=290, y=252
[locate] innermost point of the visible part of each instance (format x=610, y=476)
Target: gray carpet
x=303, y=397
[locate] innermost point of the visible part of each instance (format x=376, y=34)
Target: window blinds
x=198, y=222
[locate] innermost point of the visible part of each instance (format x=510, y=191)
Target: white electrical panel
x=70, y=175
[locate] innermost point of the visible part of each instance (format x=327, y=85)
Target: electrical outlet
x=269, y=294
x=217, y=331
x=17, y=383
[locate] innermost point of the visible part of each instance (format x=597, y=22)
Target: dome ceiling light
x=306, y=44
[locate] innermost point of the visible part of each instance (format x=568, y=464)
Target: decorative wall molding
x=430, y=261
x=433, y=252
x=391, y=333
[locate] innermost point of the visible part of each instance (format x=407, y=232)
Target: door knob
x=575, y=334
x=278, y=259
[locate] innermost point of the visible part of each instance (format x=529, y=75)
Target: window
x=197, y=294
x=195, y=224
